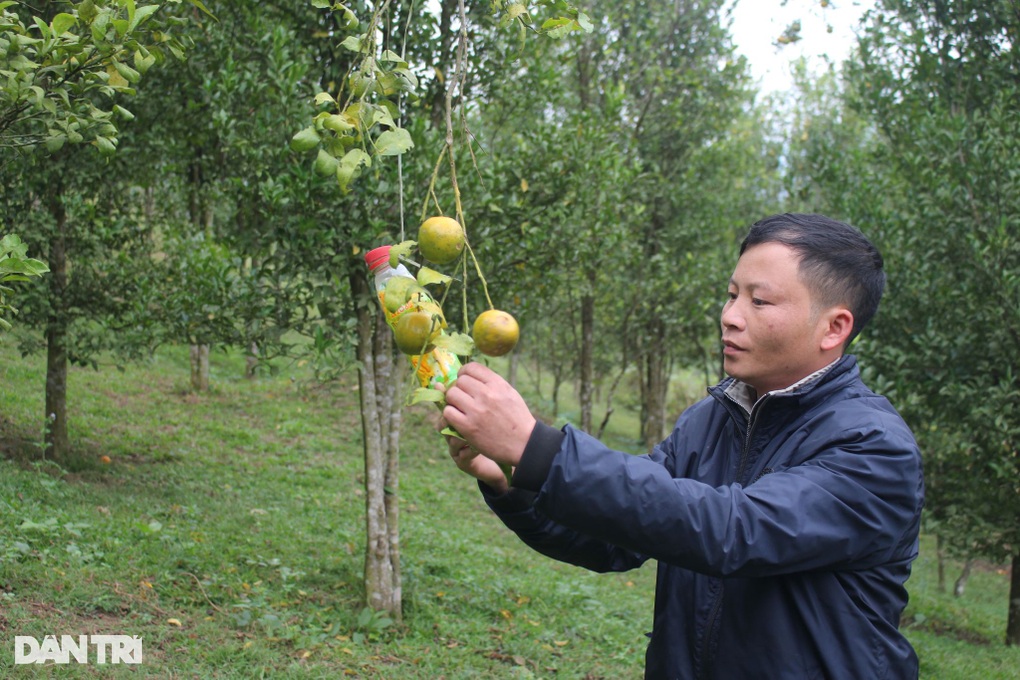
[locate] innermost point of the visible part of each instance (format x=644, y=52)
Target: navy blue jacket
x=783, y=536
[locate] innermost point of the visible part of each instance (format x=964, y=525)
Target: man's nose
x=731, y=317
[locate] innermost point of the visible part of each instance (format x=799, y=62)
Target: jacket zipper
x=707, y=662
x=752, y=419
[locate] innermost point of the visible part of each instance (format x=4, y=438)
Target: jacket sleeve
x=854, y=502
x=516, y=509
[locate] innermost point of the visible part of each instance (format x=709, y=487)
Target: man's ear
x=839, y=323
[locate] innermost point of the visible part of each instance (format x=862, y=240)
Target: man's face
x=771, y=332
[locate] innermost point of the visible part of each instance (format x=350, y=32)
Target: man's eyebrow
x=753, y=286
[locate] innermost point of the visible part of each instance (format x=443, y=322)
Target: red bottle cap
x=377, y=257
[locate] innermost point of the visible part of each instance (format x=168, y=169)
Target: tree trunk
x=515, y=361
x=200, y=368
x=587, y=359
x=656, y=383
x=380, y=425
x=251, y=361
x=55, y=437
x=557, y=383
x=961, y=583
x=1013, y=619
x=940, y=557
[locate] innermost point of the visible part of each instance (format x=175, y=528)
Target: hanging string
x=400, y=120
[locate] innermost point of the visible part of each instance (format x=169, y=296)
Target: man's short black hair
x=838, y=263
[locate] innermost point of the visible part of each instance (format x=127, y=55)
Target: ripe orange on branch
x=416, y=332
x=495, y=332
x=441, y=239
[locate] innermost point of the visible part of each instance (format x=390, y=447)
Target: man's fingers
x=463, y=391
x=477, y=371
x=453, y=416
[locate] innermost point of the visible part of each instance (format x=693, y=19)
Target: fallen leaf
x=174, y=622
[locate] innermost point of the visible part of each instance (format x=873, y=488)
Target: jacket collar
x=744, y=396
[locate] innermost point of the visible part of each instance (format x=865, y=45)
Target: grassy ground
x=227, y=531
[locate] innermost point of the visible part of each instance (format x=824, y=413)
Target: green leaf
x=557, y=27
x=393, y=142
x=48, y=525
x=122, y=112
x=428, y=277
x=127, y=73
x=141, y=15
x=143, y=61
x=354, y=43
x=350, y=167
x=382, y=116
x=32, y=267
x=63, y=23
x=428, y=394
x=87, y=11
x=44, y=28
x=391, y=57
x=400, y=251
x=349, y=21
x=584, y=22
x=460, y=344
x=324, y=98
x=517, y=9
x=337, y=123
x=321, y=4
x=55, y=143
x=201, y=6
x=107, y=147
x=325, y=164
x=306, y=140
x=12, y=243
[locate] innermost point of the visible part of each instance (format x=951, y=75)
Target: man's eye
x=758, y=302
x=731, y=296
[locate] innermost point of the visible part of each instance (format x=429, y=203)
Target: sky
x=757, y=24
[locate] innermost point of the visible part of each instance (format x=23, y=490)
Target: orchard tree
x=679, y=109
x=65, y=66
x=933, y=176
x=374, y=106
x=216, y=132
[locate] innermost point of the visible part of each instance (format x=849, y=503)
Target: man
x=783, y=509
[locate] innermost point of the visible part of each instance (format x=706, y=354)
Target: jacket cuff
x=514, y=500
x=536, y=461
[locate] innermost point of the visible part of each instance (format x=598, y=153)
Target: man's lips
x=730, y=347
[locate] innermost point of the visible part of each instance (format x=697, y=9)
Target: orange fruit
x=441, y=240
x=415, y=332
x=495, y=332
x=397, y=292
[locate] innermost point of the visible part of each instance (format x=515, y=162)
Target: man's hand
x=478, y=466
x=489, y=414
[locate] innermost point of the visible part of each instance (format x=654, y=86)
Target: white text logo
x=105, y=648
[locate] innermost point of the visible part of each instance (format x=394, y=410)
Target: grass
x=227, y=532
